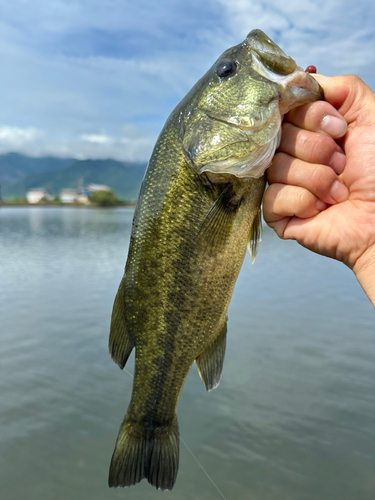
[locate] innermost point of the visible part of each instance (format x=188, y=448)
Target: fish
x=198, y=210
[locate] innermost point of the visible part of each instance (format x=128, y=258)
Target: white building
x=93, y=188
x=38, y=194
x=83, y=198
x=81, y=195
x=69, y=195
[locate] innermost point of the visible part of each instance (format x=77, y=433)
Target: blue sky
x=97, y=79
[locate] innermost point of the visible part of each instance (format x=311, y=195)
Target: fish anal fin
x=210, y=362
x=255, y=236
x=120, y=344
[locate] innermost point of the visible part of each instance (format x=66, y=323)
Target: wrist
x=364, y=270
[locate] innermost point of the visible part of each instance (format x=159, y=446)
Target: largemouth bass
x=198, y=209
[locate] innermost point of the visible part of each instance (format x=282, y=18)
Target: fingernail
x=320, y=205
x=333, y=126
x=338, y=162
x=339, y=191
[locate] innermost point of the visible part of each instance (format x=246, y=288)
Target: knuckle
x=298, y=116
x=280, y=231
x=322, y=148
x=355, y=80
x=360, y=88
x=322, y=178
x=276, y=171
x=270, y=202
x=271, y=193
x=288, y=138
x=283, y=160
x=303, y=145
x=302, y=197
x=316, y=111
x=304, y=201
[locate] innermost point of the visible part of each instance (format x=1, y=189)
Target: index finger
x=318, y=116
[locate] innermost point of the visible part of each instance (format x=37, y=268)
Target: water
x=292, y=419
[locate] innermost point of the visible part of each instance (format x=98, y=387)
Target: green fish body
x=198, y=209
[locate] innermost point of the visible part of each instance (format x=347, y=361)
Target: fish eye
x=226, y=68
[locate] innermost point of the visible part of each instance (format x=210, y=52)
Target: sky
x=98, y=78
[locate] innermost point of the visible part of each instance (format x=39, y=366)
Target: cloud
x=337, y=36
x=97, y=139
x=102, y=80
x=14, y=137
x=131, y=143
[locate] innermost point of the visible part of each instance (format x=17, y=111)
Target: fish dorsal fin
x=216, y=226
x=255, y=236
x=210, y=362
x=120, y=344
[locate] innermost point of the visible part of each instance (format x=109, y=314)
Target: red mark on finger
x=310, y=69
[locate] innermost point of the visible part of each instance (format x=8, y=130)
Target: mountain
x=14, y=166
x=122, y=177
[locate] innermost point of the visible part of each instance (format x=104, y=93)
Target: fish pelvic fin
x=210, y=362
x=142, y=452
x=255, y=236
x=120, y=344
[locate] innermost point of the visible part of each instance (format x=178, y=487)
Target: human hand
x=319, y=196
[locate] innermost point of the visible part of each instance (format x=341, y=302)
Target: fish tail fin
x=145, y=453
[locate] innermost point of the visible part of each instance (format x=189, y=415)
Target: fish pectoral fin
x=216, y=226
x=255, y=236
x=120, y=344
x=210, y=362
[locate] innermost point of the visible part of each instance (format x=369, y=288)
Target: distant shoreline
x=65, y=205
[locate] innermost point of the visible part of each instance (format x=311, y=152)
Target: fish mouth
x=272, y=63
x=297, y=88
x=271, y=54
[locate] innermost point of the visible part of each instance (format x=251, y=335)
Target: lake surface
x=292, y=419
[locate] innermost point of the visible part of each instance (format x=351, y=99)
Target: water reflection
x=292, y=418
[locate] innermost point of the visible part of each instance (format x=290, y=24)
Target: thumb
x=350, y=96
